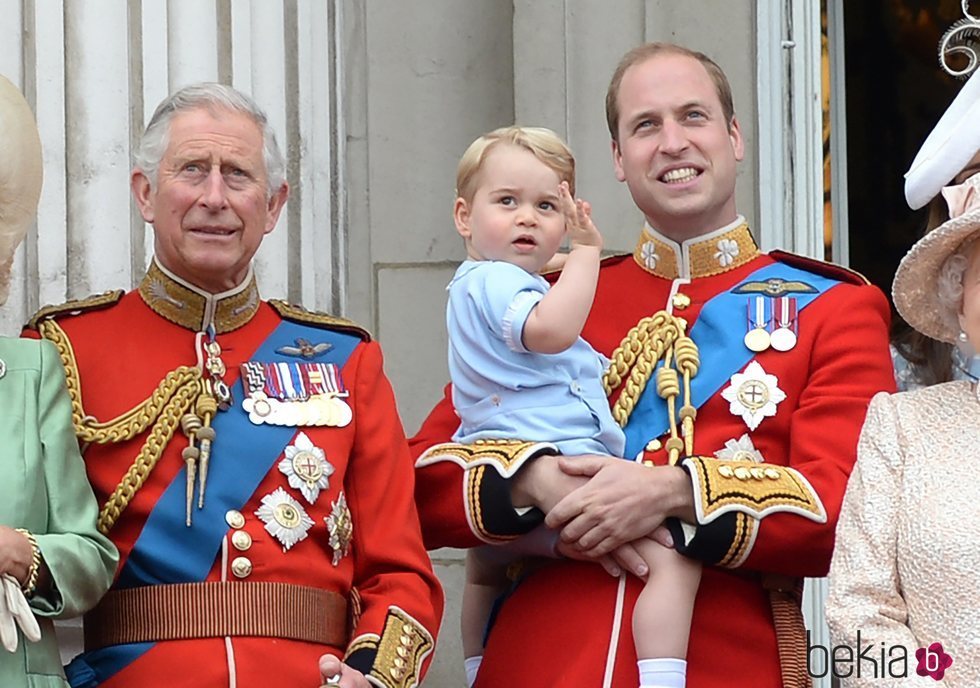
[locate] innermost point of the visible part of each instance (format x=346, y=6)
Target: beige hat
x=20, y=175
x=916, y=285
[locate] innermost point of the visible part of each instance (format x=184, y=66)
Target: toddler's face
x=514, y=215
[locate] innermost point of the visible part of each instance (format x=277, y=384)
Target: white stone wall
x=94, y=70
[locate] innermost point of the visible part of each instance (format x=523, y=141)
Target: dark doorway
x=896, y=91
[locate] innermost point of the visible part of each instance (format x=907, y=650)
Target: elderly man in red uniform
x=741, y=380
x=250, y=462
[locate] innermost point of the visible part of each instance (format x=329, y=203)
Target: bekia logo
x=933, y=661
x=870, y=660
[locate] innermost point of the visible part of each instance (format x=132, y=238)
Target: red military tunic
x=360, y=537
x=568, y=623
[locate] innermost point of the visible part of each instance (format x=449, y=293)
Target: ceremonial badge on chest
x=753, y=394
x=284, y=518
x=741, y=449
x=295, y=394
x=306, y=467
x=341, y=528
x=305, y=349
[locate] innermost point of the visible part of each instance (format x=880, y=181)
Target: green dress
x=43, y=488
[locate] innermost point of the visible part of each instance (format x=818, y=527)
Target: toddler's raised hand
x=578, y=220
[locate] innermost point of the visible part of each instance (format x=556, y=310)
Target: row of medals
x=758, y=338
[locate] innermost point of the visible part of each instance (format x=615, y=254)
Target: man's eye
x=696, y=114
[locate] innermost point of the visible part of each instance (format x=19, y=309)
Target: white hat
x=948, y=148
x=20, y=175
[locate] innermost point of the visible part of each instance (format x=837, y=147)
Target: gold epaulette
x=76, y=306
x=299, y=314
x=820, y=267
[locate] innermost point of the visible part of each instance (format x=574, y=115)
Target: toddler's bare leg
x=662, y=615
x=485, y=582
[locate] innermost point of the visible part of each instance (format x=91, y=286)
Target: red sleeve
x=463, y=503
x=393, y=577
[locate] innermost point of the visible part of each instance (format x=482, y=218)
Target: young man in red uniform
x=740, y=445
x=250, y=462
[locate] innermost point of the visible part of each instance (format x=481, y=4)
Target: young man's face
x=210, y=207
x=514, y=215
x=676, y=152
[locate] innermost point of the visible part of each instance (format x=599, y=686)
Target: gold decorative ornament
x=505, y=456
x=75, y=307
x=655, y=338
x=299, y=314
x=704, y=257
x=234, y=518
x=403, y=645
x=241, y=540
x=680, y=301
x=241, y=567
x=722, y=487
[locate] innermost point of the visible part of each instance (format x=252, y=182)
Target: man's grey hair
x=949, y=283
x=214, y=96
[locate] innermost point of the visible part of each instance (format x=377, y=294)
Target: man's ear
x=738, y=144
x=461, y=216
x=276, y=201
x=618, y=161
x=142, y=194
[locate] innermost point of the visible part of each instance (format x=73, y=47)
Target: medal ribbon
x=718, y=334
x=169, y=552
x=762, y=313
x=786, y=309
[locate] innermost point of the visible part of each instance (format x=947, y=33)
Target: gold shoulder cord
x=162, y=410
x=655, y=338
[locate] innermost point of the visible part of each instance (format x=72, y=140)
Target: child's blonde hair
x=542, y=143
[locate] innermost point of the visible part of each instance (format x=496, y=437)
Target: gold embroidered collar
x=188, y=306
x=710, y=254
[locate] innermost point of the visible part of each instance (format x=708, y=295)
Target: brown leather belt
x=213, y=610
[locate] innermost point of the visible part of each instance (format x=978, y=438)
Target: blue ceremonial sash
x=718, y=333
x=169, y=552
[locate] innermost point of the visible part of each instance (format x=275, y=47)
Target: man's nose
x=673, y=137
x=214, y=194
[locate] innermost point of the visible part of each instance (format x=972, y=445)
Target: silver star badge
x=741, y=449
x=284, y=518
x=753, y=395
x=306, y=467
x=341, y=528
